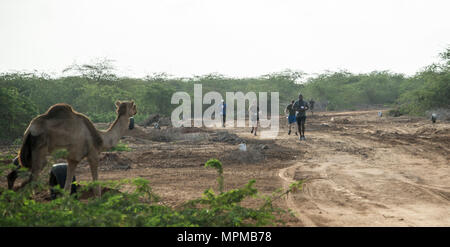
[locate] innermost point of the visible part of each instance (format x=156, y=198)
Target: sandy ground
x=370, y=171
x=358, y=169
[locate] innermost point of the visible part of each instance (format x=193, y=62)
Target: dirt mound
x=427, y=130
x=165, y=121
x=159, y=135
x=153, y=118
x=275, y=151
x=395, y=113
x=441, y=114
x=341, y=120
x=112, y=161
x=225, y=136
x=170, y=134
x=390, y=135
x=196, y=137
x=185, y=130
x=254, y=154
x=137, y=131
x=165, y=135
x=156, y=118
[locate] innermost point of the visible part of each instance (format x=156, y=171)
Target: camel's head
x=127, y=108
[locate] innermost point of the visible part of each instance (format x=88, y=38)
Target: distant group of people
x=296, y=114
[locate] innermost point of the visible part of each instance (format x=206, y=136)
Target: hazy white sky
x=232, y=37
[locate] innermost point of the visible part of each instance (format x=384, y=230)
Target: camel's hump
x=61, y=110
x=65, y=111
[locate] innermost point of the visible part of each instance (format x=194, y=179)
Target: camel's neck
x=112, y=136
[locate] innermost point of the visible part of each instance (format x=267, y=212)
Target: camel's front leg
x=93, y=164
x=72, y=165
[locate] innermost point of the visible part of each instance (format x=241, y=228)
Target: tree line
x=93, y=88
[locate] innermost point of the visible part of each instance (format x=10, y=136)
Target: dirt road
x=362, y=170
x=358, y=169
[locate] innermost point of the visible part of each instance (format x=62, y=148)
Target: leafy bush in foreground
x=139, y=207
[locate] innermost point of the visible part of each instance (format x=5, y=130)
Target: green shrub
x=216, y=164
x=120, y=147
x=16, y=112
x=395, y=112
x=138, y=207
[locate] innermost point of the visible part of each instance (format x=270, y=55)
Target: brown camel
x=62, y=127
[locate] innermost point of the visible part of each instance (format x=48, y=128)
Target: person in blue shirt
x=291, y=117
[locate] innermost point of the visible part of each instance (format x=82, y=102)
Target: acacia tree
x=100, y=70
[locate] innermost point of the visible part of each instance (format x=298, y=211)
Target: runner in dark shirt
x=291, y=116
x=301, y=107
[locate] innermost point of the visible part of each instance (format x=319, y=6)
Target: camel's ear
x=118, y=104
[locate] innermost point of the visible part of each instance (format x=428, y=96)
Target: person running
x=254, y=116
x=311, y=104
x=291, y=117
x=301, y=107
x=223, y=112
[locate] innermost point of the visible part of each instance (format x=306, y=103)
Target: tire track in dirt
x=289, y=200
x=350, y=181
x=438, y=193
